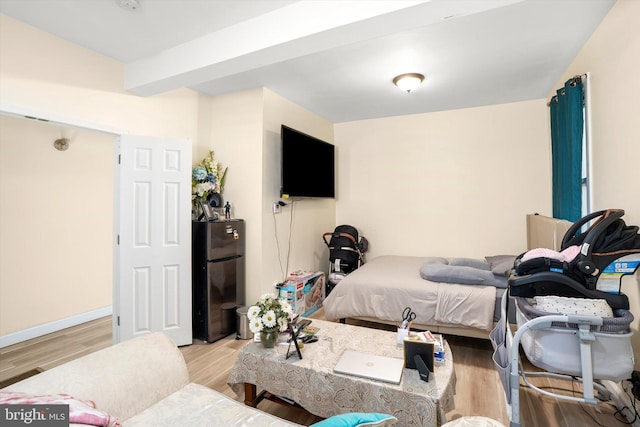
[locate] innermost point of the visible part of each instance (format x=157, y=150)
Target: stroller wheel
x=363, y=245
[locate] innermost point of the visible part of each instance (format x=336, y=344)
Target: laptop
x=380, y=368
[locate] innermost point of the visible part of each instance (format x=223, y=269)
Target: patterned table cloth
x=312, y=383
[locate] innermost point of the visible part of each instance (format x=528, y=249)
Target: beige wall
x=453, y=183
x=246, y=136
x=45, y=74
x=611, y=58
x=311, y=217
x=237, y=141
x=49, y=75
x=56, y=221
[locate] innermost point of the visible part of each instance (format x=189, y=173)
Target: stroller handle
x=348, y=236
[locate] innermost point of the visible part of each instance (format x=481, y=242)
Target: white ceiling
x=336, y=58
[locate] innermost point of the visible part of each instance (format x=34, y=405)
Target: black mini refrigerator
x=218, y=277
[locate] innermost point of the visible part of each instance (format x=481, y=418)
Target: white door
x=152, y=260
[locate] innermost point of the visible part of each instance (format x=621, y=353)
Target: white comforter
x=384, y=286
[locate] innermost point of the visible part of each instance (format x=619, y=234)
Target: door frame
x=30, y=113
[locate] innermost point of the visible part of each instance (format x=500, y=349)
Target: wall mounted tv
x=308, y=165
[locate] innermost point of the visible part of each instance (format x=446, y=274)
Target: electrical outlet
x=276, y=208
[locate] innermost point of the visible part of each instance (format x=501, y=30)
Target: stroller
x=346, y=253
x=597, y=260
x=594, y=347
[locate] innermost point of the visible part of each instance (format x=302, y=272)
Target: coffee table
x=312, y=384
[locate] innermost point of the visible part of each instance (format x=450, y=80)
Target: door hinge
x=118, y=239
x=118, y=320
x=119, y=158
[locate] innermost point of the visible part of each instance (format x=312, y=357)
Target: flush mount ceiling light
x=129, y=5
x=408, y=81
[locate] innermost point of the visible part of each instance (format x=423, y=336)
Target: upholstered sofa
x=140, y=382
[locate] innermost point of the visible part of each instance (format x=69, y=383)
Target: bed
x=379, y=290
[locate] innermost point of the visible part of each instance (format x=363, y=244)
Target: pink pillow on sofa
x=80, y=411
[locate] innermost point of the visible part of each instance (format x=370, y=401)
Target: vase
x=215, y=200
x=268, y=337
x=196, y=210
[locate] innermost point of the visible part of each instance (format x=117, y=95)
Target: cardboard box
x=305, y=291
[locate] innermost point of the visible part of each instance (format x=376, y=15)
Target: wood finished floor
x=478, y=390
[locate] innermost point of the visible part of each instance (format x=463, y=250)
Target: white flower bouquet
x=270, y=313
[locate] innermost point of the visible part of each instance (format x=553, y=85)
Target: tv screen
x=308, y=168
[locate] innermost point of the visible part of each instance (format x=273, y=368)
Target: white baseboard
x=622, y=401
x=57, y=325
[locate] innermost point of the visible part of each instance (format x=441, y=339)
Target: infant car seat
x=598, y=259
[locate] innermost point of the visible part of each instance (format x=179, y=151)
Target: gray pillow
x=459, y=274
x=501, y=265
x=470, y=262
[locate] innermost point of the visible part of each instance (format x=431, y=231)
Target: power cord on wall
x=275, y=228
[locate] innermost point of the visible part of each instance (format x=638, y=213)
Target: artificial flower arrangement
x=268, y=317
x=206, y=178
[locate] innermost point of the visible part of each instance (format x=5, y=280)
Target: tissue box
x=438, y=345
x=438, y=350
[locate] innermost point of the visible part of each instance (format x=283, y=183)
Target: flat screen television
x=308, y=165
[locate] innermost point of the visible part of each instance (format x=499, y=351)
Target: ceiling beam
x=296, y=30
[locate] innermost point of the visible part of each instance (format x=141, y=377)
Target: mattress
x=384, y=286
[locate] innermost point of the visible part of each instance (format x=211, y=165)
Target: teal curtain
x=567, y=127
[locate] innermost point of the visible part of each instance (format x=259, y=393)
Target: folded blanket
x=80, y=411
x=501, y=265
